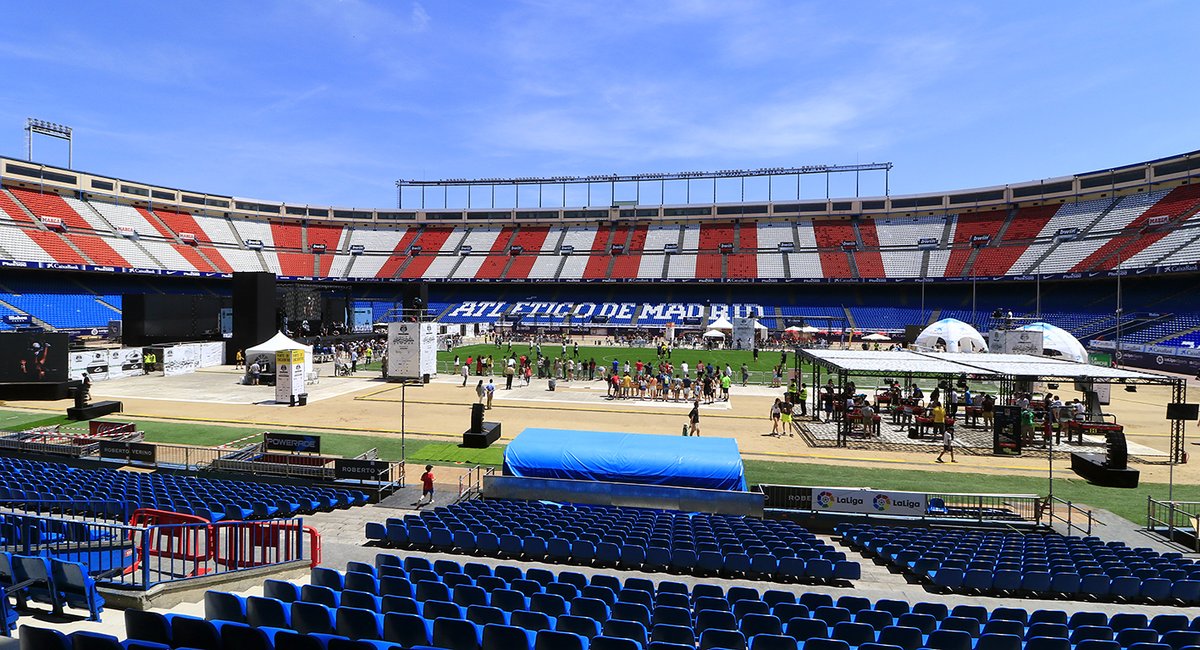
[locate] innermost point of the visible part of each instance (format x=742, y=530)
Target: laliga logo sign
x=825, y=499
x=882, y=502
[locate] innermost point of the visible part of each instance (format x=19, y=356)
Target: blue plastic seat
x=993, y=641
x=200, y=633
x=631, y=630
x=1047, y=643
x=908, y=638
x=531, y=620
x=484, y=615
x=560, y=640
x=355, y=623
x=612, y=643
x=236, y=636
x=678, y=634
x=580, y=625
x=311, y=618
x=855, y=634
x=506, y=637
x=144, y=625
x=1091, y=632
x=267, y=612
x=281, y=590
x=723, y=639
x=772, y=642
x=802, y=629
x=824, y=644
x=76, y=588
x=223, y=606
x=456, y=634
x=949, y=640
x=408, y=630
x=434, y=609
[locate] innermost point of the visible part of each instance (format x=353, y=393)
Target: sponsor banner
x=254, y=244
x=1066, y=233
x=1015, y=342
x=294, y=442
x=412, y=350
x=743, y=333
x=1159, y=220
x=289, y=375
x=187, y=238
x=926, y=243
x=616, y=249
x=17, y=319
x=54, y=223
x=975, y=239
x=787, y=497
x=516, y=250
x=877, y=502
x=357, y=249
x=126, y=231
x=318, y=248
x=96, y=428
x=93, y=362
x=566, y=249
x=360, y=470
x=725, y=247
x=133, y=452
x=180, y=360
x=670, y=248
x=465, y=250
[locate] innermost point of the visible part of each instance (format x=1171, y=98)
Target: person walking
x=939, y=424
x=776, y=412
x=785, y=418
x=464, y=371
x=694, y=419
x=426, y=486
x=745, y=375
x=239, y=360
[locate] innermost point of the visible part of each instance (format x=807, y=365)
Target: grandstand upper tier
x=1141, y=216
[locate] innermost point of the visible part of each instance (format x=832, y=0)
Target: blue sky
x=330, y=102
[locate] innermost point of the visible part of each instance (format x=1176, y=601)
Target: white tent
x=276, y=343
x=714, y=334
x=957, y=335
x=721, y=323
x=1059, y=340
x=877, y=337
x=809, y=329
x=794, y=328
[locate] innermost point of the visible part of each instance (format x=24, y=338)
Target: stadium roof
x=974, y=364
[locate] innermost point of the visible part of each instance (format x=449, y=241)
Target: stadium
x=606, y=411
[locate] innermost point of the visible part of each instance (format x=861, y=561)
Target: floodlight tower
x=35, y=126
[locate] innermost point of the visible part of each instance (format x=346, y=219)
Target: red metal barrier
x=169, y=539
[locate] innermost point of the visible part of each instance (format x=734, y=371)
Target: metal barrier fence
x=187, y=456
x=472, y=481
x=1063, y=511
x=985, y=507
x=868, y=502
x=1178, y=521
x=143, y=556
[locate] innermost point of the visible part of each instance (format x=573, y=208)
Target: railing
x=1178, y=521
x=985, y=507
x=472, y=481
x=1073, y=516
x=187, y=456
x=77, y=509
x=140, y=557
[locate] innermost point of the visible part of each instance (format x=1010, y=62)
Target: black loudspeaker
x=254, y=310
x=1116, y=451
x=476, y=417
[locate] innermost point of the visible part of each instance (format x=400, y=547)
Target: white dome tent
x=268, y=348
x=1059, y=340
x=957, y=335
x=721, y=323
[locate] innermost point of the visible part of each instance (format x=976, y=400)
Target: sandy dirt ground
x=364, y=404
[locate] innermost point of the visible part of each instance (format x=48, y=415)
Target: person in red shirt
x=426, y=486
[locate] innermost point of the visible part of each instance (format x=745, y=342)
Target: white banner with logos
x=743, y=333
x=180, y=360
x=875, y=502
x=1015, y=342
x=289, y=375
x=412, y=350
x=93, y=362
x=125, y=362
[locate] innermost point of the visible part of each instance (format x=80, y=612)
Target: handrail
x=1070, y=519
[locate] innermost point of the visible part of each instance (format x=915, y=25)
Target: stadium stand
x=209, y=498
x=1030, y=564
x=412, y=602
x=629, y=537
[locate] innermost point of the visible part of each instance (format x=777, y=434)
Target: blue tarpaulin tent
x=712, y=463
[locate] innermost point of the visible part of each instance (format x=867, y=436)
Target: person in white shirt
x=683, y=368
